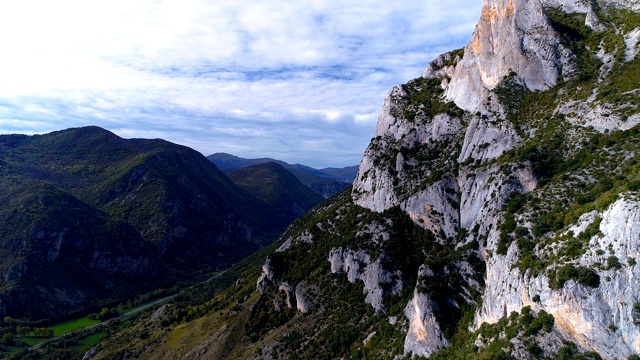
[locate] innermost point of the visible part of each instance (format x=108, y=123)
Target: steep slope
x=279, y=188
x=60, y=253
x=495, y=214
x=88, y=217
x=326, y=182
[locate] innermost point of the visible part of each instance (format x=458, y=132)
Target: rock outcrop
x=304, y=297
x=424, y=337
x=512, y=36
x=602, y=319
x=267, y=276
x=358, y=266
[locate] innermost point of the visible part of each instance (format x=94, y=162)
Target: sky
x=297, y=80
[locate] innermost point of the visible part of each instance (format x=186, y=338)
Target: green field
x=32, y=340
x=72, y=325
x=91, y=340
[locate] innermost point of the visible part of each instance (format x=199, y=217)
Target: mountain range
x=327, y=182
x=279, y=188
x=495, y=215
x=89, y=218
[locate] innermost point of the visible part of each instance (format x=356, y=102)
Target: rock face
x=358, y=266
x=584, y=314
x=433, y=209
x=267, y=276
x=304, y=299
x=514, y=39
x=511, y=36
x=424, y=337
x=375, y=186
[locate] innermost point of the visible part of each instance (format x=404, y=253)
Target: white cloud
x=252, y=77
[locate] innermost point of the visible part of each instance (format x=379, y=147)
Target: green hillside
x=89, y=217
x=275, y=185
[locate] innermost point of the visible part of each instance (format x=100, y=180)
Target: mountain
x=328, y=188
x=495, y=215
x=88, y=218
x=326, y=182
x=278, y=187
x=227, y=162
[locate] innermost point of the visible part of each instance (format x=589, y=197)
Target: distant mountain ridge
x=327, y=182
x=278, y=187
x=228, y=162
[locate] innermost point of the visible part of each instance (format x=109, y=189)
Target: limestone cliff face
x=601, y=319
x=511, y=36
x=424, y=336
x=514, y=39
x=267, y=276
x=359, y=266
x=373, y=187
x=383, y=167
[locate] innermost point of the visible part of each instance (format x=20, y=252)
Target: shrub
x=581, y=274
x=636, y=313
x=613, y=263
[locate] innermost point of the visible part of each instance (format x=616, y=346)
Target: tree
x=44, y=332
x=7, y=339
x=106, y=313
x=23, y=330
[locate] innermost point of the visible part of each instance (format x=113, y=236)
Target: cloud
x=301, y=81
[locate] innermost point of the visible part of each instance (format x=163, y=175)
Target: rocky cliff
x=503, y=125
x=495, y=213
x=521, y=48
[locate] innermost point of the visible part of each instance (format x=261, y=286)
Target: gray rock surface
x=511, y=36
x=486, y=140
x=600, y=116
x=632, y=41
x=289, y=294
x=304, y=297
x=424, y=337
x=587, y=316
x=267, y=276
x=433, y=209
x=358, y=266
x=304, y=237
x=438, y=68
